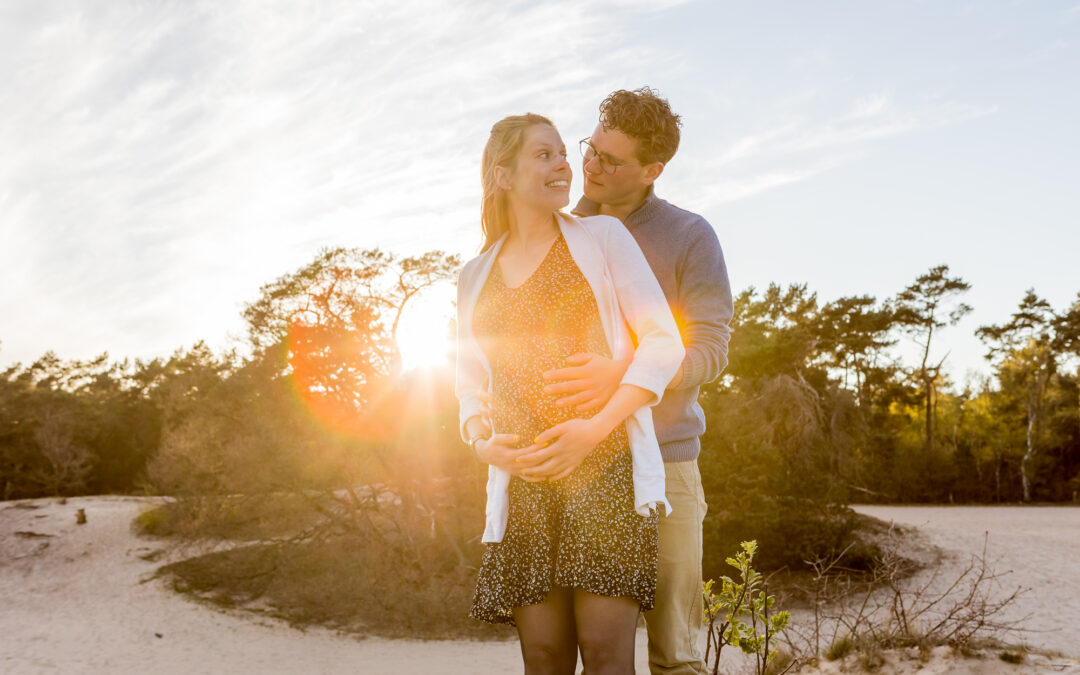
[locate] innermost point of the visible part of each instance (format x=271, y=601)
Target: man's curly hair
x=644, y=116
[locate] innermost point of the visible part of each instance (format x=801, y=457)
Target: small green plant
x=740, y=614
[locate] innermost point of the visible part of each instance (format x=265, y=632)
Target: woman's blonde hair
x=503, y=145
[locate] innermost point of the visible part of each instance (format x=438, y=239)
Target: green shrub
x=790, y=532
x=235, y=517
x=155, y=522
x=741, y=614
x=344, y=582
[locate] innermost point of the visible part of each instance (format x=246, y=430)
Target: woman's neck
x=530, y=228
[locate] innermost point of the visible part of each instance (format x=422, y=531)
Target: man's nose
x=592, y=161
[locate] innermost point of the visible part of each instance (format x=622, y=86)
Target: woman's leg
x=546, y=631
x=605, y=632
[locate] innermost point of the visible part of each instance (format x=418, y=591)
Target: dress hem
x=496, y=618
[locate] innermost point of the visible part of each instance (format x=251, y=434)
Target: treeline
x=814, y=410
x=817, y=409
x=825, y=389
x=313, y=395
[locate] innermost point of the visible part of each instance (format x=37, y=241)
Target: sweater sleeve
x=471, y=376
x=659, y=349
x=705, y=309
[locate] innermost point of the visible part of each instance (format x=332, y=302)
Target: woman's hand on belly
x=500, y=451
x=559, y=450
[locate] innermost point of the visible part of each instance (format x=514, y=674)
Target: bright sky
x=162, y=160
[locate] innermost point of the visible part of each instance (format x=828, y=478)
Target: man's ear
x=502, y=178
x=651, y=172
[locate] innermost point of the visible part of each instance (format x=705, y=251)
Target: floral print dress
x=581, y=531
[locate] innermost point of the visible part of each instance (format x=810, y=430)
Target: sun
x=423, y=335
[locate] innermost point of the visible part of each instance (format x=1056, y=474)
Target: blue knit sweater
x=685, y=255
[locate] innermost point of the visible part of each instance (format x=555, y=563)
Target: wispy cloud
x=869, y=118
x=730, y=189
x=1040, y=55
x=163, y=160
x=797, y=149
x=748, y=146
x=871, y=105
x=814, y=58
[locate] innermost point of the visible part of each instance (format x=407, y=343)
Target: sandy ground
x=79, y=599
x=1039, y=545
x=942, y=661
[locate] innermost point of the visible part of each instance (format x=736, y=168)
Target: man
x=636, y=137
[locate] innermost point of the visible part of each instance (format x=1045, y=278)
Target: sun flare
x=424, y=335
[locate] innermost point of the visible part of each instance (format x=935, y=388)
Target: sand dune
x=81, y=598
x=1038, y=545
x=77, y=599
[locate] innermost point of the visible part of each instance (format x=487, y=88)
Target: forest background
x=312, y=413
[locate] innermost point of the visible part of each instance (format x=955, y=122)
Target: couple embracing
x=582, y=343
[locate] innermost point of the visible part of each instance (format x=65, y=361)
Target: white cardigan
x=628, y=298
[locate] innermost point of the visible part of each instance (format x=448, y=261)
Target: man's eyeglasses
x=608, y=164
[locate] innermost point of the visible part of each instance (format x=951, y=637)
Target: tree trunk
x=1028, y=454
x=928, y=384
x=998, y=456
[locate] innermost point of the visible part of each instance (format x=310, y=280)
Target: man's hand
x=588, y=381
x=559, y=450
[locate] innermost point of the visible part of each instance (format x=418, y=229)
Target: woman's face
x=542, y=176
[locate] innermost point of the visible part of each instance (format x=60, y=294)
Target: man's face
x=629, y=181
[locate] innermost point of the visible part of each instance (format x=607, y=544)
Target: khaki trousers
x=674, y=624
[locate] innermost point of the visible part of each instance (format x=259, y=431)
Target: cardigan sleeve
x=659, y=350
x=471, y=377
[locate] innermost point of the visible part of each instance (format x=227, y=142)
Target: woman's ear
x=502, y=178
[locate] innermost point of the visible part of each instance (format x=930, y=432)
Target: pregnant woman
x=572, y=498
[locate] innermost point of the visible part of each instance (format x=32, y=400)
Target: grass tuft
x=840, y=649
x=1012, y=656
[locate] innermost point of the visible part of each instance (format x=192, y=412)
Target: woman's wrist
x=476, y=427
x=626, y=399
x=475, y=440
x=602, y=426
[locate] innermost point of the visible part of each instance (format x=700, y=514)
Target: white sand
x=74, y=602
x=1040, y=545
x=943, y=661
x=78, y=600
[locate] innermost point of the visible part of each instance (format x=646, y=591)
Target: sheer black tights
x=553, y=631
